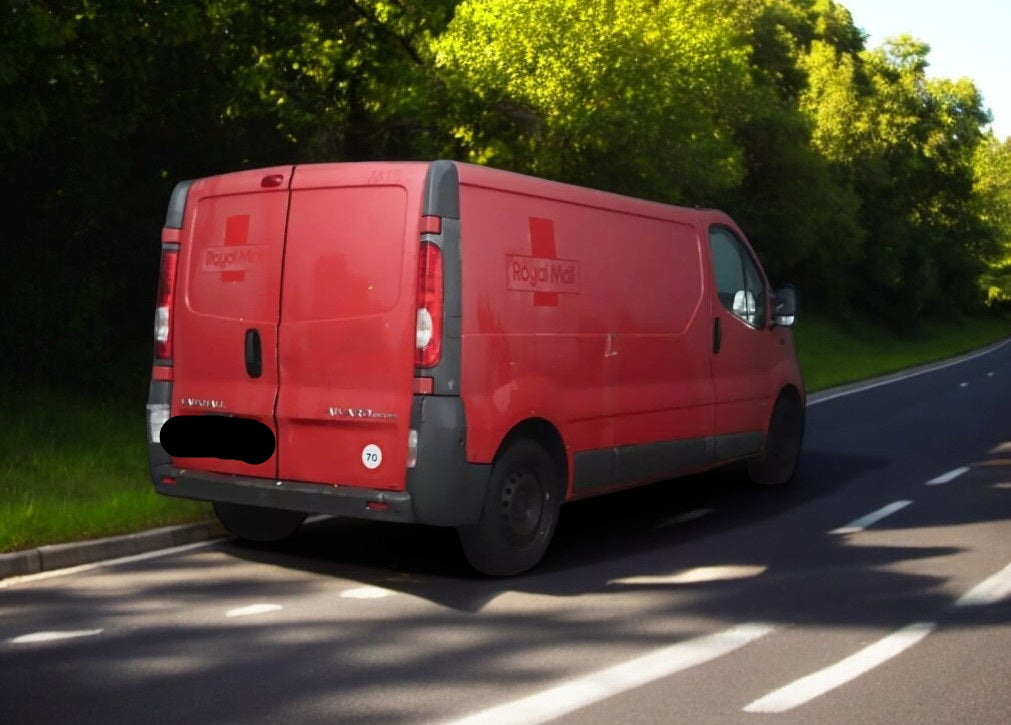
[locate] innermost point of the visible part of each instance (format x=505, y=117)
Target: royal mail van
x=455, y=345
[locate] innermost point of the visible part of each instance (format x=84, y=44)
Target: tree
x=993, y=191
x=799, y=212
x=628, y=95
x=105, y=104
x=904, y=144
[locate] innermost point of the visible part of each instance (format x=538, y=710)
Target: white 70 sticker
x=372, y=456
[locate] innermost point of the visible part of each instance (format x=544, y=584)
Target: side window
x=739, y=283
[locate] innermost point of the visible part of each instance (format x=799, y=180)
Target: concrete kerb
x=75, y=553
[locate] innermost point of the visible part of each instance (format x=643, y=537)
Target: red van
x=450, y=344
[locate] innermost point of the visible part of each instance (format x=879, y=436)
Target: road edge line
x=842, y=391
x=58, y=557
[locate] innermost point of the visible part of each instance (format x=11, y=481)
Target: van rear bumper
x=313, y=498
x=443, y=489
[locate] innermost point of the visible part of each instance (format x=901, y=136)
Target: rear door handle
x=254, y=355
x=717, y=336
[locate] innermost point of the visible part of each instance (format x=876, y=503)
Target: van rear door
x=347, y=324
x=226, y=308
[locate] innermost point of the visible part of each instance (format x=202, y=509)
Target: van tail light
x=163, y=310
x=428, y=334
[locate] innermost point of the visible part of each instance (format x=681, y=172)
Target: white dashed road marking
x=696, y=576
x=54, y=636
x=253, y=609
x=596, y=686
x=818, y=683
x=989, y=590
x=948, y=477
x=872, y=518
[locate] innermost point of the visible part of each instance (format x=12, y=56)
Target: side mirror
x=785, y=312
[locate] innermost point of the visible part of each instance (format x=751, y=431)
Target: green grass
x=72, y=468
x=832, y=355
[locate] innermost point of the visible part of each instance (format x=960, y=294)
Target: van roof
x=508, y=181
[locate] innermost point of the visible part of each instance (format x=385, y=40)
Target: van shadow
x=598, y=540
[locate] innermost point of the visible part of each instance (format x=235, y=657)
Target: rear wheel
x=254, y=523
x=519, y=515
x=778, y=461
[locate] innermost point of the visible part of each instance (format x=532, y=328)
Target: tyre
x=519, y=514
x=254, y=523
x=778, y=462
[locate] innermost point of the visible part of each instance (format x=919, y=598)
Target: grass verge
x=74, y=468
x=833, y=355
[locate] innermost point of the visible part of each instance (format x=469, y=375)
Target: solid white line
x=54, y=636
x=864, y=521
x=253, y=609
x=900, y=378
x=108, y=562
x=989, y=590
x=948, y=477
x=818, y=683
x=600, y=685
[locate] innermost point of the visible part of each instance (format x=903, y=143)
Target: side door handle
x=717, y=335
x=254, y=354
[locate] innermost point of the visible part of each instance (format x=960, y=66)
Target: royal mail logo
x=235, y=258
x=537, y=274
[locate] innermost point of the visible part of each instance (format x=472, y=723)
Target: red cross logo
x=542, y=273
x=542, y=245
x=236, y=235
x=237, y=256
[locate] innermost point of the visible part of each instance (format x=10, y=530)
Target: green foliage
x=107, y=103
x=834, y=354
x=74, y=467
x=629, y=95
x=801, y=217
x=903, y=144
x=993, y=192
x=854, y=172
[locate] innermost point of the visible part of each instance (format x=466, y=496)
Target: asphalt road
x=876, y=588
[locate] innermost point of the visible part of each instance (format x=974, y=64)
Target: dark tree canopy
x=855, y=172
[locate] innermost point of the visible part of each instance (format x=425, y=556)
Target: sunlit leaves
x=993, y=190
x=854, y=171
x=632, y=95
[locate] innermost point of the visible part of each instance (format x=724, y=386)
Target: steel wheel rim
x=521, y=506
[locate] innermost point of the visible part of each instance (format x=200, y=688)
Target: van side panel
x=527, y=353
x=658, y=370
x=231, y=249
x=346, y=345
x=588, y=314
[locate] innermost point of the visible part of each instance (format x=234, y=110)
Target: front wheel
x=519, y=515
x=255, y=523
x=778, y=461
